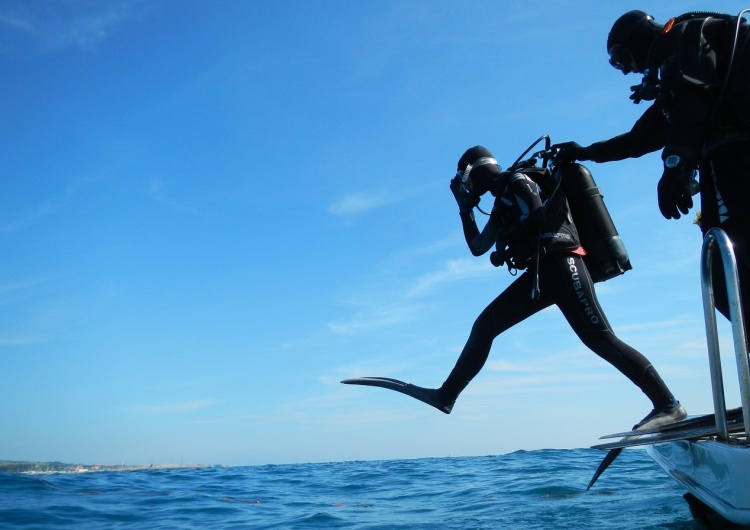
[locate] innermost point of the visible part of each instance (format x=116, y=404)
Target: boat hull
x=716, y=473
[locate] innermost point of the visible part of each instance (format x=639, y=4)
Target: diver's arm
x=692, y=114
x=647, y=135
x=479, y=242
x=523, y=194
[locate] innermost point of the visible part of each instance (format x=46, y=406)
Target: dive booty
x=658, y=417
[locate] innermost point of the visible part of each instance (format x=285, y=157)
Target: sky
x=212, y=212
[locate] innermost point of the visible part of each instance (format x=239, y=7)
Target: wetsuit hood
x=630, y=40
x=484, y=177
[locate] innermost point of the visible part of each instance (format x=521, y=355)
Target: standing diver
x=536, y=234
x=696, y=69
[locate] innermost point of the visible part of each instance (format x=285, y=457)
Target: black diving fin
x=425, y=395
x=691, y=428
x=732, y=416
x=705, y=431
x=606, y=461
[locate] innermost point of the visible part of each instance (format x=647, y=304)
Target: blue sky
x=212, y=212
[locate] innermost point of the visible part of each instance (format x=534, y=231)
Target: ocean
x=544, y=489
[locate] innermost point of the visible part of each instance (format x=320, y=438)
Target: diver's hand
x=499, y=256
x=569, y=151
x=674, y=191
x=648, y=89
x=466, y=200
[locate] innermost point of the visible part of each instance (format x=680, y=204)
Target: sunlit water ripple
x=535, y=489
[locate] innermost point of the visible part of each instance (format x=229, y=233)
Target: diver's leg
x=577, y=300
x=511, y=307
x=731, y=187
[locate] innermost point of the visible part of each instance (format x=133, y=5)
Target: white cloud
x=174, y=408
x=374, y=318
x=16, y=342
x=453, y=270
x=20, y=286
x=30, y=217
x=159, y=191
x=61, y=25
x=399, y=308
x=357, y=203
x=15, y=22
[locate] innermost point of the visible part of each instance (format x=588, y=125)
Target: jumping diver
x=536, y=234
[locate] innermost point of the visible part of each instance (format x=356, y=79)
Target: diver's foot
x=672, y=413
x=432, y=397
x=446, y=407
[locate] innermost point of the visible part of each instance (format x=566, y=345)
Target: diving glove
x=570, y=151
x=676, y=188
x=466, y=200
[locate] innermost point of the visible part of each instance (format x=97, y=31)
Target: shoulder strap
x=703, y=14
x=544, y=179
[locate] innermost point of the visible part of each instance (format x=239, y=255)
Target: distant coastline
x=9, y=466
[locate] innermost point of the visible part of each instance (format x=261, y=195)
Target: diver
x=696, y=70
x=534, y=233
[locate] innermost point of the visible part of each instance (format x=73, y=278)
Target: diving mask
x=464, y=175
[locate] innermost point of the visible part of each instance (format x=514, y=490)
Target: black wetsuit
x=691, y=120
x=564, y=281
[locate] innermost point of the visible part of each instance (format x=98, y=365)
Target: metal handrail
x=716, y=239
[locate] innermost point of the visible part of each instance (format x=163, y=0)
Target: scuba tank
x=606, y=256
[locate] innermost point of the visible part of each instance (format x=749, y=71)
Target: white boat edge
x=717, y=473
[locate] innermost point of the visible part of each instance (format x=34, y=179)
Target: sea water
x=543, y=489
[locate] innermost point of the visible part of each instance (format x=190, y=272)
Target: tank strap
x=591, y=192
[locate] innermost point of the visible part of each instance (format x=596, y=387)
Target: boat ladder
x=716, y=240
